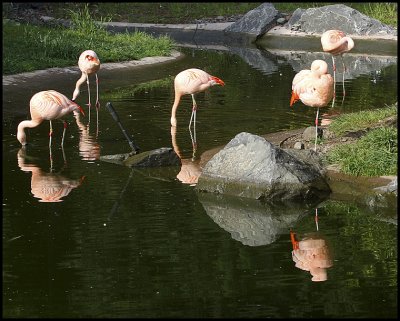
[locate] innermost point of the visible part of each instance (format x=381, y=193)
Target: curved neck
x=21, y=136
x=78, y=85
x=175, y=105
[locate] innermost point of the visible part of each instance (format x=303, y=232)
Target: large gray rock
x=256, y=22
x=250, y=166
x=337, y=16
x=252, y=222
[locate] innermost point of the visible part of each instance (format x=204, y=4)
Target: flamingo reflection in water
x=89, y=148
x=47, y=186
x=311, y=253
x=190, y=167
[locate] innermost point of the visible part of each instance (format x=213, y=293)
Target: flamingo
x=336, y=43
x=190, y=82
x=314, y=88
x=89, y=64
x=47, y=105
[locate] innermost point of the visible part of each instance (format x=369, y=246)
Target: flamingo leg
x=88, y=86
x=194, y=141
x=63, y=136
x=97, y=100
x=64, y=158
x=316, y=218
x=334, y=81
x=50, y=153
x=194, y=109
x=344, y=71
x=50, y=133
x=316, y=129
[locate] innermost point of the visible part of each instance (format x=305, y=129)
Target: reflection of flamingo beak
x=81, y=179
x=80, y=109
x=294, y=98
x=218, y=81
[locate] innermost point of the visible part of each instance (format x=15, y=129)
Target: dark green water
x=139, y=243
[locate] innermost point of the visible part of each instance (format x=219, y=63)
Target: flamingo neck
x=175, y=107
x=78, y=85
x=21, y=136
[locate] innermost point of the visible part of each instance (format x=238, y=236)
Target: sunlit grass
x=374, y=154
x=360, y=120
x=27, y=47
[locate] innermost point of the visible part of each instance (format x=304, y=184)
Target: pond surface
x=121, y=242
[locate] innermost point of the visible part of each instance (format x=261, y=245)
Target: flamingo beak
x=295, y=97
x=93, y=59
x=218, y=81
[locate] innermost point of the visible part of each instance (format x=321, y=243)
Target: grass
x=374, y=154
x=360, y=120
x=27, y=47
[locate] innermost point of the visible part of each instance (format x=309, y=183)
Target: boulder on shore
x=250, y=166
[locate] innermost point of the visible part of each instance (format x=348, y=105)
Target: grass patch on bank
x=360, y=120
x=28, y=48
x=374, y=154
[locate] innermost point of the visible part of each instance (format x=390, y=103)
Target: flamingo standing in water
x=190, y=82
x=47, y=105
x=314, y=88
x=89, y=64
x=336, y=43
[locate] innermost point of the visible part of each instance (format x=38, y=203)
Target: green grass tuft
x=28, y=48
x=375, y=154
x=360, y=120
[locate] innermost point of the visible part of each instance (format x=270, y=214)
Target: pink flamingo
x=336, y=43
x=89, y=64
x=314, y=88
x=190, y=82
x=47, y=105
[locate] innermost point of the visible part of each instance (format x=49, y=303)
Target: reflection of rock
x=356, y=65
x=256, y=58
x=251, y=222
x=337, y=16
x=250, y=166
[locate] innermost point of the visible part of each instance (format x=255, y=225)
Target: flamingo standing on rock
x=47, y=105
x=336, y=43
x=89, y=64
x=314, y=88
x=190, y=82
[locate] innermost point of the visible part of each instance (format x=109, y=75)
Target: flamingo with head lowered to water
x=190, y=82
